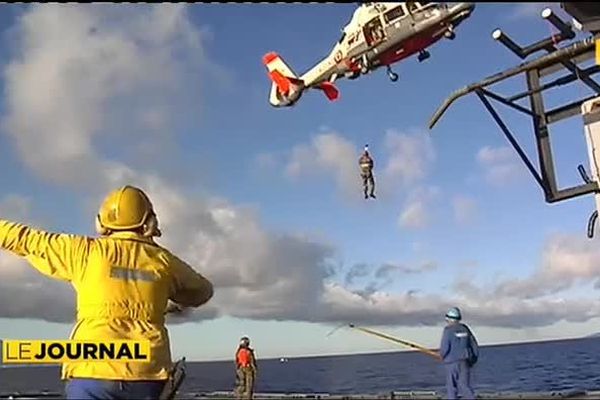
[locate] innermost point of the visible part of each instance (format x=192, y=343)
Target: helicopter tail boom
x=286, y=86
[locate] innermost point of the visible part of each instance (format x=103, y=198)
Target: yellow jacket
x=123, y=283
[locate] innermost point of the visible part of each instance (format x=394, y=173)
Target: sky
x=267, y=203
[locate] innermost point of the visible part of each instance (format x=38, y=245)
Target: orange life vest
x=244, y=358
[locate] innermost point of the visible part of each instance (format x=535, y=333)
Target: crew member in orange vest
x=245, y=363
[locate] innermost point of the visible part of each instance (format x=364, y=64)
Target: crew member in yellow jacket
x=124, y=282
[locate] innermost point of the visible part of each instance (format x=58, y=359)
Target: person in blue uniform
x=459, y=351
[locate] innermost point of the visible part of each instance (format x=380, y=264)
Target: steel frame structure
x=557, y=59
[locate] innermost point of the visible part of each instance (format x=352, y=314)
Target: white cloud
x=406, y=160
x=111, y=74
x=265, y=276
x=501, y=165
x=330, y=153
x=413, y=309
x=385, y=270
x=540, y=299
x=65, y=86
x=465, y=209
x=357, y=271
x=15, y=206
x=417, y=213
x=23, y=291
x=410, y=157
x=378, y=277
x=12, y=266
x=257, y=274
x=414, y=216
x=566, y=261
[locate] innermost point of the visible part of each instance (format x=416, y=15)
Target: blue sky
x=266, y=202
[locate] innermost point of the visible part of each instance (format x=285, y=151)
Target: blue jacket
x=457, y=342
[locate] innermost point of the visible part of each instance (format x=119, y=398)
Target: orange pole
x=412, y=345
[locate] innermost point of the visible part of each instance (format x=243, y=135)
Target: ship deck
x=575, y=394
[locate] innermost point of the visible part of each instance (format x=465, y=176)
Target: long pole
x=399, y=341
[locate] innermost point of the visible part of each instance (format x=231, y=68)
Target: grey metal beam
x=566, y=111
x=563, y=80
x=540, y=129
x=588, y=55
x=582, y=76
x=570, y=193
x=508, y=102
x=511, y=138
x=573, y=50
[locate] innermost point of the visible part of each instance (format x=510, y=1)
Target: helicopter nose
x=462, y=7
x=470, y=7
x=461, y=10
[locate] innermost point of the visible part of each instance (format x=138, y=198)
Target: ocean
x=542, y=366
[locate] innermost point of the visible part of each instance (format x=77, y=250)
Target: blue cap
x=453, y=313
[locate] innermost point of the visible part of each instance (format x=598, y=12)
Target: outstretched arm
x=190, y=289
x=59, y=256
x=445, y=345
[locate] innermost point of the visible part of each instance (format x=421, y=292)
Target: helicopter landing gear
x=449, y=34
x=391, y=74
x=423, y=55
x=364, y=67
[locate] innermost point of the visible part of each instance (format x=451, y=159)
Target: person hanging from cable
x=246, y=369
x=124, y=282
x=366, y=165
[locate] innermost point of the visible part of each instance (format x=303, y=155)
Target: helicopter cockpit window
x=412, y=6
x=426, y=4
x=374, y=32
x=394, y=14
x=352, y=38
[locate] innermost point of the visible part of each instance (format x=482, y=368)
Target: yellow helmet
x=127, y=209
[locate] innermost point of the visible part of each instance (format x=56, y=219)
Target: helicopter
x=378, y=35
